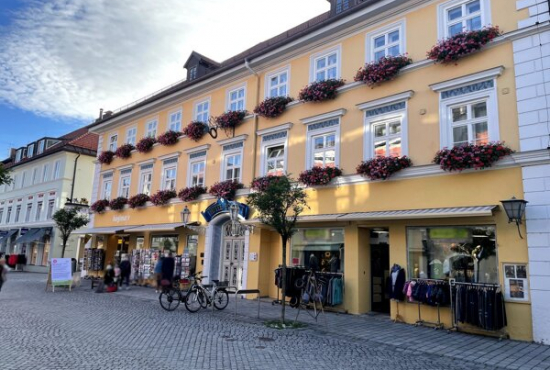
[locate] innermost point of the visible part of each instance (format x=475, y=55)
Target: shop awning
x=8, y=236
x=103, y=230
x=25, y=237
x=155, y=227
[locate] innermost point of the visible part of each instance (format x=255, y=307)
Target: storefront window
x=319, y=249
x=46, y=253
x=165, y=242
x=34, y=254
x=464, y=253
x=190, y=254
x=140, y=242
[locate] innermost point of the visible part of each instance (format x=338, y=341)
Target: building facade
x=44, y=174
x=421, y=218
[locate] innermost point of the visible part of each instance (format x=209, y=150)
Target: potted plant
x=125, y=151
x=118, y=204
x=106, y=157
x=145, y=145
x=195, y=130
x=318, y=176
x=99, y=206
x=272, y=107
x=381, y=168
x=162, y=197
x=138, y=200
x=229, y=120
x=225, y=189
x=385, y=69
x=262, y=183
x=191, y=193
x=169, y=138
x=458, y=46
x=319, y=91
x=467, y=156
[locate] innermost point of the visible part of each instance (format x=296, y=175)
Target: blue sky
x=63, y=60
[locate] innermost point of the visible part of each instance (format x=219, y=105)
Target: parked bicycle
x=202, y=296
x=170, y=297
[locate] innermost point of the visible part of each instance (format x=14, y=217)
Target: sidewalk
x=505, y=354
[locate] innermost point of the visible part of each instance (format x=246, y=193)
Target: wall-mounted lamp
x=515, y=209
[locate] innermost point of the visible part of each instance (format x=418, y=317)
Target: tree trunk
x=283, y=285
x=63, y=249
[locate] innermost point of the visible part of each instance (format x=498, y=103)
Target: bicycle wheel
x=193, y=300
x=221, y=299
x=169, y=299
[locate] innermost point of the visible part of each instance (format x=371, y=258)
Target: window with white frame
x=275, y=160
x=146, y=179
x=277, y=84
x=151, y=128
x=469, y=123
x=46, y=173
x=17, y=213
x=236, y=99
x=387, y=137
x=23, y=179
x=113, y=142
x=124, y=183
x=388, y=41
x=28, y=212
x=51, y=209
x=202, y=111
x=342, y=5
x=197, y=169
x=57, y=170
x=15, y=183
x=40, y=148
x=169, y=173
x=232, y=164
x=38, y=215
x=30, y=150
x=131, y=134
x=107, y=186
x=35, y=177
x=8, y=215
x=326, y=66
x=174, y=121
x=1, y=215
x=323, y=143
x=463, y=15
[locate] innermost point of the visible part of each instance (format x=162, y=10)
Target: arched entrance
x=233, y=256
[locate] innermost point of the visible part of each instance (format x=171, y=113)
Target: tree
x=67, y=221
x=278, y=204
x=4, y=175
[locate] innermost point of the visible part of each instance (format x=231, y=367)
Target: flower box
x=138, y=200
x=106, y=157
x=381, y=168
x=118, y=204
x=225, y=189
x=462, y=44
x=99, y=206
x=163, y=197
x=463, y=157
x=386, y=69
x=191, y=193
x=272, y=107
x=169, y=138
x=262, y=183
x=230, y=120
x=145, y=145
x=125, y=151
x=195, y=130
x=319, y=91
x=319, y=176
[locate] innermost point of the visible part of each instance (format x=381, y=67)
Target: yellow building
x=421, y=218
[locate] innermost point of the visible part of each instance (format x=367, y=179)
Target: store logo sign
x=119, y=219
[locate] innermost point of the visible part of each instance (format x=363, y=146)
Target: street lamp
x=514, y=208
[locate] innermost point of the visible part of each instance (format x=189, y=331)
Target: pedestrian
x=3, y=272
x=109, y=278
x=168, y=265
x=158, y=274
x=117, y=279
x=125, y=271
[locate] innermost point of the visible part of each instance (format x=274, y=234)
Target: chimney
x=12, y=152
x=100, y=113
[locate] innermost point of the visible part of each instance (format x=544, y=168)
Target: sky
x=63, y=60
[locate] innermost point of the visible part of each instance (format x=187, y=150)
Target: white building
x=45, y=173
x=532, y=65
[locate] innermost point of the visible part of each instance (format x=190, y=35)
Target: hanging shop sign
x=222, y=206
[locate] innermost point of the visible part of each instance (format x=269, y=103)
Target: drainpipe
x=256, y=117
x=74, y=176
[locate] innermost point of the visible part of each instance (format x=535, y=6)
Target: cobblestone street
x=83, y=330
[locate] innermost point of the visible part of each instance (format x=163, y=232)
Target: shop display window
x=165, y=242
x=319, y=249
x=46, y=252
x=464, y=253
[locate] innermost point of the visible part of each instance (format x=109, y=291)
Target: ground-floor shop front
x=28, y=248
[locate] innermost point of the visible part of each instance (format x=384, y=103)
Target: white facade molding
x=464, y=80
x=197, y=149
x=386, y=101
x=125, y=167
x=233, y=140
x=148, y=161
x=324, y=117
x=169, y=156
x=272, y=130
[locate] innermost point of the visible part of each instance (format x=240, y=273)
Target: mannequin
x=396, y=282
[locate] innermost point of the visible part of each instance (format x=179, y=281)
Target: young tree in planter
x=67, y=221
x=278, y=205
x=4, y=175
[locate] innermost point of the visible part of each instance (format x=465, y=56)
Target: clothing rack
x=420, y=322
x=500, y=334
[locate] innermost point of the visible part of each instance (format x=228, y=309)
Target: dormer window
x=342, y=5
x=40, y=148
x=30, y=150
x=198, y=65
x=18, y=155
x=192, y=74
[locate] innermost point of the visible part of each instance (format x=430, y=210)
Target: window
x=319, y=249
x=28, y=212
x=388, y=41
x=124, y=186
x=387, y=138
x=342, y=5
x=174, y=123
x=324, y=150
x=151, y=128
x=8, y=215
x=15, y=183
x=464, y=253
x=17, y=213
x=516, y=285
x=277, y=84
x=56, y=170
x=463, y=15
x=326, y=67
x=192, y=73
x=30, y=150
x=35, y=177
x=18, y=155
x=198, y=169
x=106, y=189
x=165, y=242
x=131, y=134
x=169, y=173
x=232, y=166
x=145, y=181
x=202, y=111
x=469, y=123
x=23, y=179
x=51, y=208
x=1, y=215
x=113, y=142
x=46, y=252
x=38, y=215
x=45, y=173
x=236, y=99
x=40, y=148
x=275, y=160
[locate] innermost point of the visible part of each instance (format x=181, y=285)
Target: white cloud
x=68, y=58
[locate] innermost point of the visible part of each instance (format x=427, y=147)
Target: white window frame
x=17, y=213
x=30, y=150
x=175, y=125
x=142, y=173
x=104, y=183
x=226, y=155
x=50, y=211
x=165, y=168
x=191, y=162
x=39, y=210
x=229, y=102
x=200, y=116
x=121, y=186
x=28, y=212
x=149, y=131
x=270, y=144
x=57, y=169
x=35, y=177
x=277, y=73
x=40, y=147
x=369, y=39
x=323, y=54
x=113, y=142
x=23, y=179
x=2, y=215
x=323, y=131
x=46, y=172
x=131, y=135
x=370, y=139
x=443, y=29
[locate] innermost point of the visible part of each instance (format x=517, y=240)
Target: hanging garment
x=395, y=283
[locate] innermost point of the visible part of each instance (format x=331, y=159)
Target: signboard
x=449, y=233
x=61, y=270
x=222, y=206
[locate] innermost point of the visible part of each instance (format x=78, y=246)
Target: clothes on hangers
x=395, y=283
x=429, y=292
x=481, y=306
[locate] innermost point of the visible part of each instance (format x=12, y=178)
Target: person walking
x=158, y=274
x=3, y=272
x=125, y=271
x=168, y=265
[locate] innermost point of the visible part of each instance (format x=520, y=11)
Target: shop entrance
x=380, y=270
x=233, y=256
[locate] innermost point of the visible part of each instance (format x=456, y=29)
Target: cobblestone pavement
x=83, y=330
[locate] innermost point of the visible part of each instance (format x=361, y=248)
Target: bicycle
x=170, y=297
x=200, y=296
